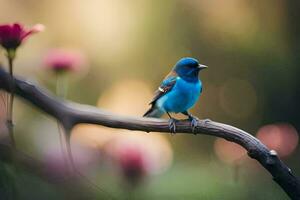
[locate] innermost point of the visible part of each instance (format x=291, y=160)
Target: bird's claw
x=172, y=125
x=194, y=123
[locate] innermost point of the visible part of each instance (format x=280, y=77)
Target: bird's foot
x=194, y=122
x=172, y=125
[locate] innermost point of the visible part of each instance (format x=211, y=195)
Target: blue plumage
x=179, y=91
x=181, y=98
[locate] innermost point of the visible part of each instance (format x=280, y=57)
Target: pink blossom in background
x=133, y=163
x=12, y=35
x=63, y=60
x=139, y=156
x=132, y=159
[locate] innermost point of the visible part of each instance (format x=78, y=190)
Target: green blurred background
x=251, y=48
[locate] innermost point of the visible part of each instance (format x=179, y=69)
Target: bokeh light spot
x=283, y=138
x=228, y=152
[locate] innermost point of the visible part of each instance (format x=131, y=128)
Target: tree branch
x=71, y=114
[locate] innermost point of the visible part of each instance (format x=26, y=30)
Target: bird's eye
x=190, y=67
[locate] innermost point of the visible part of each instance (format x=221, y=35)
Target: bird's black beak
x=200, y=66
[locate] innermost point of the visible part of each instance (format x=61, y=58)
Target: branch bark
x=70, y=114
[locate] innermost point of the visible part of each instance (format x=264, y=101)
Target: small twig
x=64, y=145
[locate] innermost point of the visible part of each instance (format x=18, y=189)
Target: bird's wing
x=165, y=86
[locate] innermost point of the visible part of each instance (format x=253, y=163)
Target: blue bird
x=178, y=92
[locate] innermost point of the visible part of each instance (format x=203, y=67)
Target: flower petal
x=35, y=29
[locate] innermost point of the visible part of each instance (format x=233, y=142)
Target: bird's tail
x=153, y=112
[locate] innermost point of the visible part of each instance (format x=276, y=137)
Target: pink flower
x=61, y=60
x=133, y=164
x=12, y=35
x=139, y=156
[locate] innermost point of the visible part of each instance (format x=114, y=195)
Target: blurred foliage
x=251, y=48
